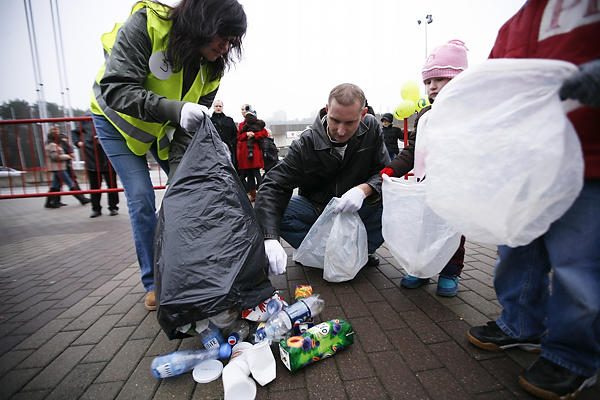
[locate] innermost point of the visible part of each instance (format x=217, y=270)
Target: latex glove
x=584, y=85
x=351, y=201
x=276, y=255
x=387, y=171
x=192, y=115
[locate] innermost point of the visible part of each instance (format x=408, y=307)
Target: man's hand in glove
x=351, y=201
x=192, y=115
x=584, y=85
x=276, y=255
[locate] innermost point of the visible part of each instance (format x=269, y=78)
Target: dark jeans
x=110, y=179
x=552, y=286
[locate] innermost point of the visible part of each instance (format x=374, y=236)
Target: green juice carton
x=320, y=341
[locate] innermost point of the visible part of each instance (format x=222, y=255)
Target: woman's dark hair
x=196, y=23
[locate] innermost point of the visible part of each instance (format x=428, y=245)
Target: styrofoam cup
x=261, y=362
x=237, y=384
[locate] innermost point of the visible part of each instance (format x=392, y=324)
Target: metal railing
x=24, y=163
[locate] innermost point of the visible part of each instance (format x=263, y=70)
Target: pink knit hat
x=446, y=61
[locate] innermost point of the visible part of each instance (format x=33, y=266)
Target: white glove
x=276, y=255
x=351, y=201
x=192, y=115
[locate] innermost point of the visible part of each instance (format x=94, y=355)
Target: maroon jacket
x=559, y=30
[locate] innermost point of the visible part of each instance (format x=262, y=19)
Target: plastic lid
x=207, y=371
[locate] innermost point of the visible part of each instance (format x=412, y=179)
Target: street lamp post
x=428, y=20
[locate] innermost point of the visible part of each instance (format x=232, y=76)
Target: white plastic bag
x=502, y=160
x=417, y=237
x=337, y=243
x=346, y=251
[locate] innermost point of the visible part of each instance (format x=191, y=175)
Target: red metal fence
x=24, y=163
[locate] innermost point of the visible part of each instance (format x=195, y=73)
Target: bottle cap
x=207, y=371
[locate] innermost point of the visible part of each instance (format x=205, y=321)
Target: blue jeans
x=135, y=175
x=300, y=215
x=59, y=178
x=566, y=306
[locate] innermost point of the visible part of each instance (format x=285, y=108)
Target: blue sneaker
x=412, y=282
x=447, y=286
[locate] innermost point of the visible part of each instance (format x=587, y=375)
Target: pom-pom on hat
x=446, y=61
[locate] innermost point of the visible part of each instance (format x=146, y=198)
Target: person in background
x=270, y=151
x=97, y=167
x=340, y=155
x=226, y=129
x=163, y=68
x=68, y=149
x=57, y=164
x=443, y=64
x=249, y=154
x=391, y=134
x=549, y=290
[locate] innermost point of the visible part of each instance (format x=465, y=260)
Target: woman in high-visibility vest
x=162, y=71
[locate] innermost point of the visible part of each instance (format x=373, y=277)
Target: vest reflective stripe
x=119, y=122
x=140, y=134
x=164, y=142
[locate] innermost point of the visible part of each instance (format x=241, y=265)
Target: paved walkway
x=72, y=323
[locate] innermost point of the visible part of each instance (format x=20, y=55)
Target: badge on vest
x=159, y=66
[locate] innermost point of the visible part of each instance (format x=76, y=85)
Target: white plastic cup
x=261, y=361
x=237, y=383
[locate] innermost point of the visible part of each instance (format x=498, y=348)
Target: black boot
x=60, y=203
x=82, y=199
x=51, y=200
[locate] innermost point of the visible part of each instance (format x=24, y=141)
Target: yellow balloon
x=405, y=109
x=422, y=103
x=410, y=91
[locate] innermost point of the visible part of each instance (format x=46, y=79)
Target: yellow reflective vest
x=161, y=80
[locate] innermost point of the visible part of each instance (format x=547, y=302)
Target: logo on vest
x=159, y=66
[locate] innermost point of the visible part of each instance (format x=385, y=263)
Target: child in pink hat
x=443, y=64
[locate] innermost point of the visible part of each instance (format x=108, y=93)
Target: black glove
x=583, y=85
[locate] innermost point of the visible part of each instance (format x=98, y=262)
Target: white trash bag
x=337, y=243
x=502, y=160
x=418, y=238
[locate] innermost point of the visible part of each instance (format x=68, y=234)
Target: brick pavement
x=72, y=323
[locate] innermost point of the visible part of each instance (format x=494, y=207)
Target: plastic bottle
x=275, y=305
x=210, y=335
x=237, y=332
x=281, y=323
x=179, y=362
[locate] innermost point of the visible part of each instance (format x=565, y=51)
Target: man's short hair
x=347, y=94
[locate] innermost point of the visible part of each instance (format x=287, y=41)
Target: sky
x=295, y=51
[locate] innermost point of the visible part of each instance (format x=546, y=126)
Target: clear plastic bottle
x=237, y=332
x=281, y=323
x=180, y=362
x=210, y=335
x=275, y=305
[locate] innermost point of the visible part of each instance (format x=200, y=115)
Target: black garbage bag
x=209, y=251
